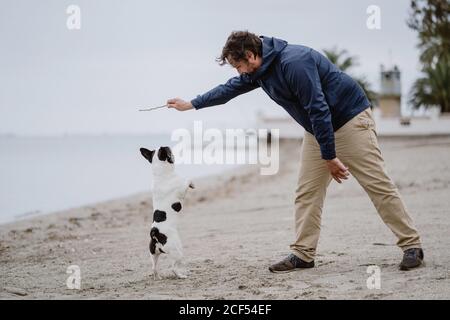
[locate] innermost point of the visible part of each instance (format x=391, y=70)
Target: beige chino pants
x=357, y=147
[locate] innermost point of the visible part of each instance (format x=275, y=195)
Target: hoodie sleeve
x=304, y=81
x=224, y=92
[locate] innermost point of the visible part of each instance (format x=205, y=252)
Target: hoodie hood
x=271, y=48
x=312, y=90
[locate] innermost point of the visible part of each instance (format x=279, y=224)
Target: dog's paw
x=180, y=274
x=155, y=276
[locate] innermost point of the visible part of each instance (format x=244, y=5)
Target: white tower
x=390, y=93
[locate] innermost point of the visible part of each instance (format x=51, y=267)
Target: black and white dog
x=169, y=191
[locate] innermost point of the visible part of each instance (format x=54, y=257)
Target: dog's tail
x=158, y=239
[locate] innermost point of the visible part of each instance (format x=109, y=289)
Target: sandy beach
x=235, y=225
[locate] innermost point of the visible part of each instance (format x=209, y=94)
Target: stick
x=150, y=109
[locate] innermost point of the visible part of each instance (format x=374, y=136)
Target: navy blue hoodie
x=319, y=96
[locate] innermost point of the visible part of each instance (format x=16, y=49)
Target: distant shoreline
x=49, y=174
x=38, y=213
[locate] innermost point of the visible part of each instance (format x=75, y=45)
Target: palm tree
x=433, y=88
x=431, y=20
x=344, y=61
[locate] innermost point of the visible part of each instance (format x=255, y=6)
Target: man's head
x=243, y=51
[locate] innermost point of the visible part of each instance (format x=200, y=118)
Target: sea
x=40, y=175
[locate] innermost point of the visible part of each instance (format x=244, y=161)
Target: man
x=339, y=136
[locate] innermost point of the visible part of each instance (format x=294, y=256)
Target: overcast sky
x=131, y=54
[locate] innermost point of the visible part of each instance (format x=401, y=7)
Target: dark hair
x=237, y=44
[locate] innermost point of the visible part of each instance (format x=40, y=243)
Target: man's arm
x=304, y=81
x=219, y=95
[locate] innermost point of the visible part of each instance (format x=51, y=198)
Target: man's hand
x=338, y=170
x=179, y=104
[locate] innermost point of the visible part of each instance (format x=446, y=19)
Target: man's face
x=248, y=66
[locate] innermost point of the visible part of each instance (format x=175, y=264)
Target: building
x=389, y=98
x=388, y=117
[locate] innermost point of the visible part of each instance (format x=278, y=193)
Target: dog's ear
x=148, y=154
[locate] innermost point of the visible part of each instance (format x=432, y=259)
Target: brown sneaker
x=412, y=258
x=290, y=263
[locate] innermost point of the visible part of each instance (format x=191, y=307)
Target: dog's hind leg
x=178, y=262
x=154, y=266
